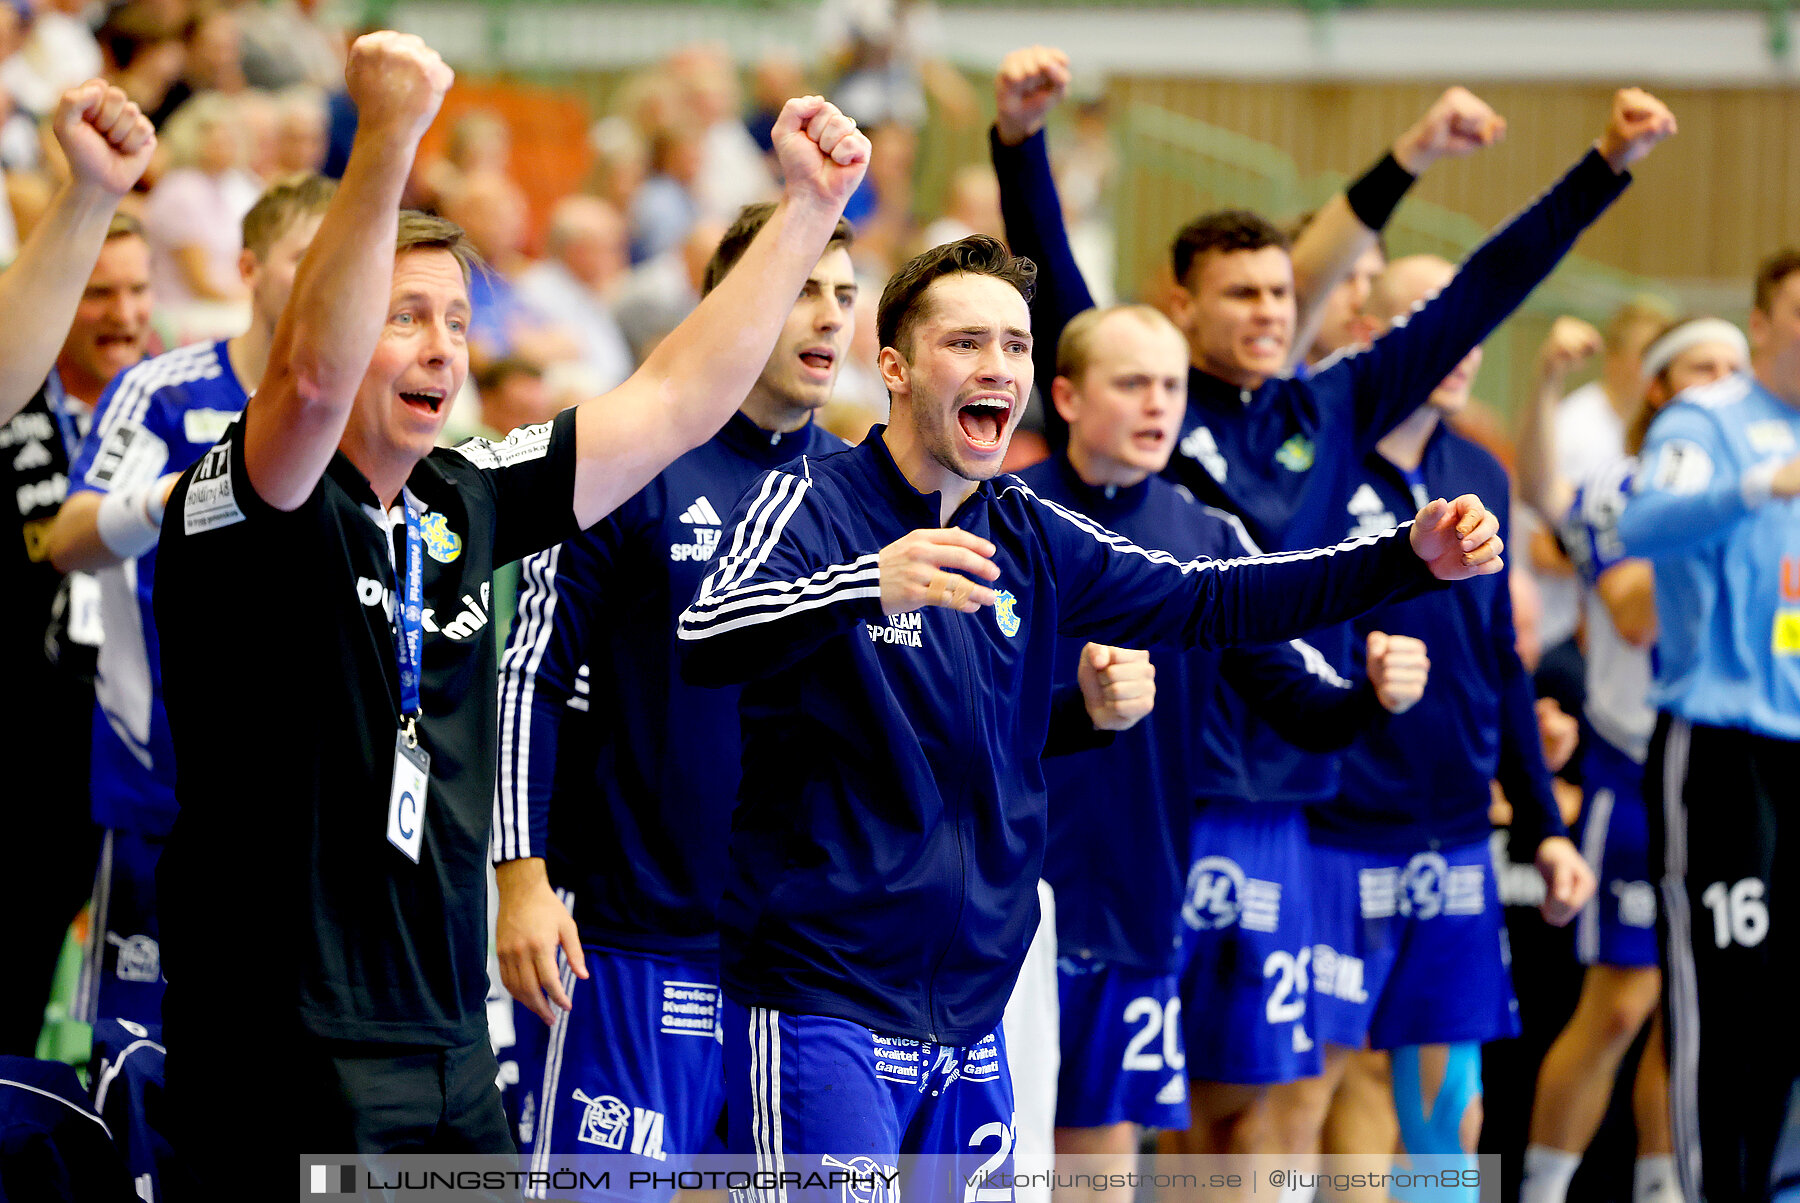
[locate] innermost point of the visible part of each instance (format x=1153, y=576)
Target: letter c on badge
x=409, y=815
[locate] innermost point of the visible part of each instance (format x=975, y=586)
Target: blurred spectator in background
x=882, y=208
x=660, y=292
x=300, y=131
x=480, y=143
x=142, y=52
x=212, y=61
x=732, y=171
x=621, y=162
x=491, y=209
x=586, y=258
x=288, y=42
x=58, y=52
x=197, y=207
x=972, y=207
x=776, y=76
x=886, y=60
x=668, y=204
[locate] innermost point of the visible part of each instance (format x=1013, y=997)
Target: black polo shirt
x=282, y=684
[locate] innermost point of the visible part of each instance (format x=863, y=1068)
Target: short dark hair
x=1774, y=270
x=494, y=375
x=1222, y=232
x=750, y=221
x=429, y=232
x=124, y=225
x=286, y=202
x=976, y=255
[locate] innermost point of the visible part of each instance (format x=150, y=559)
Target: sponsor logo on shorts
x=1337, y=975
x=1424, y=888
x=1220, y=894
x=1637, y=903
x=690, y=1008
x=897, y=1059
x=981, y=1060
x=609, y=1123
x=865, y=1179
x=907, y=630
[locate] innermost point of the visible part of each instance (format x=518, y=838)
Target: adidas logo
x=1365, y=501
x=701, y=513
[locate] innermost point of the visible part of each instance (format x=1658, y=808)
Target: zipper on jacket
x=963, y=639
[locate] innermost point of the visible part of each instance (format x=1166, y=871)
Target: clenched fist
x=397, y=83
x=1570, y=343
x=107, y=139
x=1458, y=123
x=1398, y=669
x=1459, y=539
x=823, y=155
x=1028, y=85
x=1118, y=686
x=1637, y=123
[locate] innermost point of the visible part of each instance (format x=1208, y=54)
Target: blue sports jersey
x=159, y=416
x=890, y=826
x=1282, y=456
x=127, y=1074
x=53, y=1147
x=613, y=768
x=1119, y=870
x=1617, y=675
x=1420, y=779
x=1727, y=557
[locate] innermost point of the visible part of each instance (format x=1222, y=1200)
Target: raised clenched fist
x=397, y=83
x=1637, y=123
x=1457, y=123
x=823, y=155
x=1028, y=85
x=1570, y=343
x=107, y=139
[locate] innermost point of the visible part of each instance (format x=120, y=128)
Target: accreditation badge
x=406, y=801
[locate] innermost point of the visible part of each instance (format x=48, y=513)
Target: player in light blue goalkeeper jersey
x=1714, y=508
x=1616, y=931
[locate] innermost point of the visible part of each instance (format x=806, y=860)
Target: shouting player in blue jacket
x=894, y=611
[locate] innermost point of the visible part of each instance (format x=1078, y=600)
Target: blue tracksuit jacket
x=890, y=823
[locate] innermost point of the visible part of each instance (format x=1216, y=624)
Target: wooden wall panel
x=1707, y=206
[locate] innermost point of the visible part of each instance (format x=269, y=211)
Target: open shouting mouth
x=984, y=419
x=427, y=400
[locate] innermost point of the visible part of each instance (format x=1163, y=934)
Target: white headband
x=1661, y=353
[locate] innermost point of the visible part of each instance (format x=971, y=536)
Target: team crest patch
x=1296, y=455
x=441, y=543
x=1006, y=613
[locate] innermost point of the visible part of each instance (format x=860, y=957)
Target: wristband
x=1374, y=197
x=126, y=523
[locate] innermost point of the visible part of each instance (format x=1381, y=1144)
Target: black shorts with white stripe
x=1716, y=798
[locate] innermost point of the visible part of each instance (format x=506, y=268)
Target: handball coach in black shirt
x=327, y=648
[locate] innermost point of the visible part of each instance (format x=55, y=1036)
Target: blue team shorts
x=633, y=1069
x=1411, y=949
x=121, y=974
x=1248, y=923
x=1618, y=927
x=1122, y=1055
x=812, y=1094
